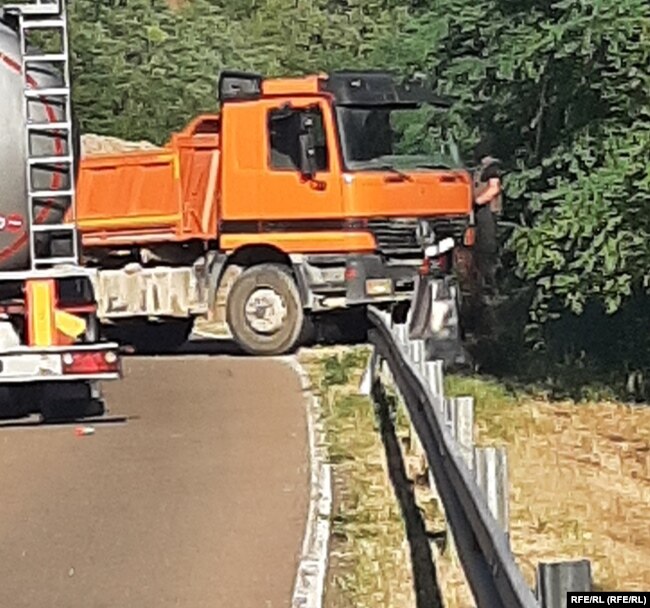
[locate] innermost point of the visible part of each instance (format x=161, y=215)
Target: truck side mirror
x=307, y=145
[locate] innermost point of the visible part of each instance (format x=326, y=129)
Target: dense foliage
x=558, y=89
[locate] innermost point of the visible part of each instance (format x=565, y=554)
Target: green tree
x=558, y=89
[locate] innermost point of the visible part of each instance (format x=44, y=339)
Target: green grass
x=487, y=393
x=495, y=407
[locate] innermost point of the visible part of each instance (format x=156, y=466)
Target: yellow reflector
x=69, y=325
x=40, y=311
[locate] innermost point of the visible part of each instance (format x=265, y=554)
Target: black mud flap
x=435, y=319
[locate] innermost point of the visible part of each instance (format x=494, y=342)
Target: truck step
x=47, y=92
x=43, y=24
x=51, y=193
x=48, y=126
x=53, y=227
x=50, y=160
x=36, y=9
x=46, y=58
x=58, y=260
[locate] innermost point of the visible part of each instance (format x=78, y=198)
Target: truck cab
x=316, y=167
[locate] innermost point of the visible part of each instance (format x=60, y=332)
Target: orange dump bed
x=169, y=194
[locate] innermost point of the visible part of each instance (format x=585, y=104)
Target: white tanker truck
x=51, y=357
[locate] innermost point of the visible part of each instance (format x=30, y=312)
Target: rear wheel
x=71, y=409
x=56, y=401
x=18, y=401
x=264, y=310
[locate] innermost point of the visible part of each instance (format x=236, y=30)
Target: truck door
x=285, y=192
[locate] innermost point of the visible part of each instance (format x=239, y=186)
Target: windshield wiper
x=388, y=167
x=434, y=166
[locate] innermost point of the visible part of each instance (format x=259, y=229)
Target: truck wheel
x=18, y=401
x=264, y=310
x=65, y=402
x=66, y=411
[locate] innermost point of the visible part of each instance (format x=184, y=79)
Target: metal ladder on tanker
x=48, y=16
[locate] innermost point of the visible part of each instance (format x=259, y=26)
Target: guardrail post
x=459, y=417
x=402, y=335
x=385, y=317
x=554, y=580
x=369, y=375
x=416, y=354
x=433, y=376
x=491, y=472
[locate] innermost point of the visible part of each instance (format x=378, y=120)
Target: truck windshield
x=394, y=137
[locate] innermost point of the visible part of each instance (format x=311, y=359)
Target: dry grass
x=369, y=557
x=579, y=487
x=579, y=481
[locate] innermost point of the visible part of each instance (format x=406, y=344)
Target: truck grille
x=395, y=236
x=399, y=236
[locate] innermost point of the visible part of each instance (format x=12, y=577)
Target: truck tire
x=264, y=311
x=17, y=401
x=66, y=402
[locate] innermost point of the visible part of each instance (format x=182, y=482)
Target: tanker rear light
x=104, y=362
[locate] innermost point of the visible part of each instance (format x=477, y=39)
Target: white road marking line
x=310, y=578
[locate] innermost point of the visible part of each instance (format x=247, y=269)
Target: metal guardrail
x=481, y=540
x=482, y=545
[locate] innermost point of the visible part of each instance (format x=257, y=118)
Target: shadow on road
x=221, y=347
x=35, y=422
x=345, y=327
x=195, y=346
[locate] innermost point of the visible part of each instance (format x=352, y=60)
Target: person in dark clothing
x=488, y=205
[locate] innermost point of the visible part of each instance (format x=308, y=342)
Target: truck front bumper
x=328, y=281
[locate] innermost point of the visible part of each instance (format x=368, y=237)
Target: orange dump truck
x=297, y=183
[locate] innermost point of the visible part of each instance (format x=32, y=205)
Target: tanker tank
x=14, y=210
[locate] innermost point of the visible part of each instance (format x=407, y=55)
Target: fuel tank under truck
x=14, y=210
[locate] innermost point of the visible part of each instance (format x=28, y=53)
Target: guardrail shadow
x=425, y=580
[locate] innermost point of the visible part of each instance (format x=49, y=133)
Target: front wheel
x=264, y=310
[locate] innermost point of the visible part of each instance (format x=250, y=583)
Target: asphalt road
x=199, y=498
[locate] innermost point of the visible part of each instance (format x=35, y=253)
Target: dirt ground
x=93, y=145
